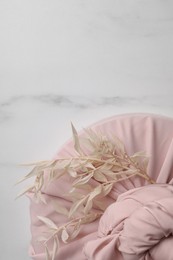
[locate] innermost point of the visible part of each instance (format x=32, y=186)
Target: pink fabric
x=139, y=224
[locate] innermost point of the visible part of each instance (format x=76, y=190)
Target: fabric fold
x=134, y=225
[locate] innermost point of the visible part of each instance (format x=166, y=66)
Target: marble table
x=79, y=61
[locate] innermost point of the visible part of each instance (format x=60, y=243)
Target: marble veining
x=83, y=102
x=16, y=105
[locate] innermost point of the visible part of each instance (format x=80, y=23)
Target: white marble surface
x=78, y=61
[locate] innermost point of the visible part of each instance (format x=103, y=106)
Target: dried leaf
x=119, y=146
x=76, y=230
x=145, y=163
x=60, y=209
x=86, y=187
x=92, y=136
x=29, y=188
x=57, y=173
x=40, y=197
x=76, y=140
x=39, y=182
x=86, y=144
x=48, y=256
x=99, y=176
x=32, y=173
x=74, y=195
x=138, y=154
x=90, y=218
x=88, y=206
x=92, y=195
x=34, y=163
x=108, y=164
x=63, y=164
x=48, y=222
x=106, y=189
x=72, y=172
x=95, y=192
x=109, y=173
x=82, y=181
x=64, y=236
x=89, y=165
x=129, y=172
x=55, y=247
x=76, y=206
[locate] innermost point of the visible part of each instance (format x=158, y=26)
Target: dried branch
x=98, y=158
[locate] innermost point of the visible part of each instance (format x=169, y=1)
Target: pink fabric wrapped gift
x=138, y=224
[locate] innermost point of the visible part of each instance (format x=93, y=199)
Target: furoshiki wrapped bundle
x=126, y=201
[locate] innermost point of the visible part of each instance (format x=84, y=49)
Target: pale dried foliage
x=98, y=165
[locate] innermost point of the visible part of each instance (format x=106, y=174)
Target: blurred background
x=72, y=60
